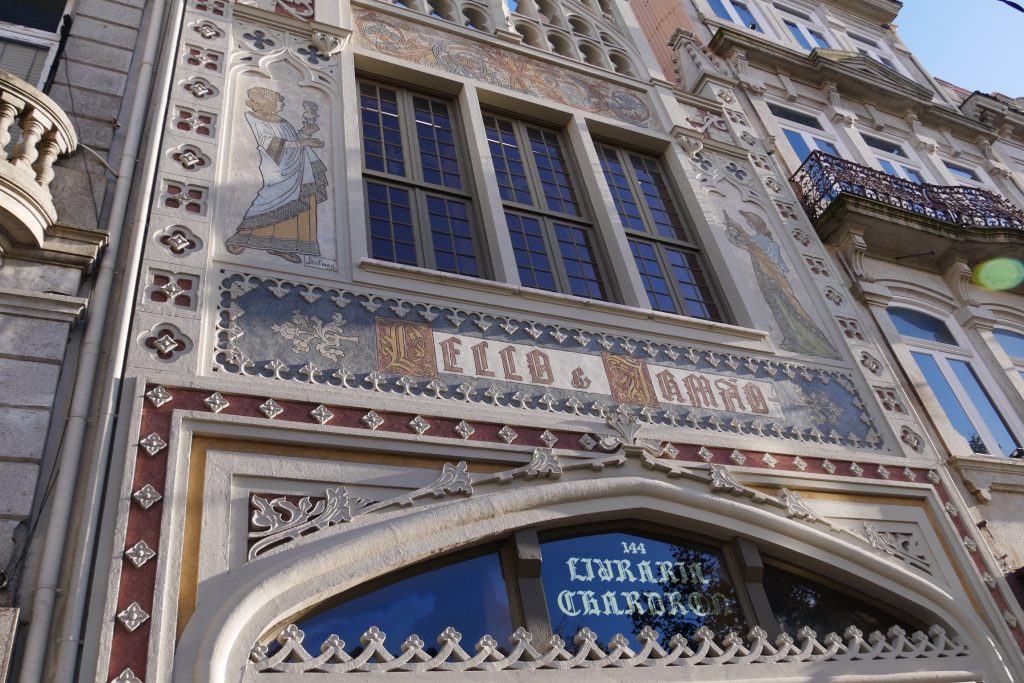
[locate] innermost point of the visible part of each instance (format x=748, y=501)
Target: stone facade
x=409, y=286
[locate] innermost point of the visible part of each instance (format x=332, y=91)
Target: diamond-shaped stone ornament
x=321, y=414
x=507, y=434
x=139, y=554
x=464, y=429
x=132, y=617
x=270, y=408
x=548, y=439
x=215, y=402
x=372, y=420
x=419, y=425
x=146, y=496
x=153, y=444
x=158, y=396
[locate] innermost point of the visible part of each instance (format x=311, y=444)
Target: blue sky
x=976, y=44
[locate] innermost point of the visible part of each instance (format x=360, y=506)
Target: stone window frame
x=538, y=209
x=810, y=135
x=661, y=243
x=33, y=38
x=901, y=165
x=414, y=183
x=963, y=351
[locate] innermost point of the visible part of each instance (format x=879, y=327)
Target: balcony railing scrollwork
x=41, y=132
x=823, y=178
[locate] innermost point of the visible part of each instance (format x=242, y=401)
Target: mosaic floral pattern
x=432, y=48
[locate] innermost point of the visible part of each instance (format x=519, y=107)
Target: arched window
x=475, y=19
x=947, y=367
x=611, y=582
x=563, y=46
x=621, y=64
x=593, y=55
x=531, y=35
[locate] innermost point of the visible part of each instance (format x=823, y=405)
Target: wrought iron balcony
x=823, y=179
x=41, y=132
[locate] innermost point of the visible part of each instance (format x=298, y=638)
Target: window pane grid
x=382, y=135
x=508, y=161
x=553, y=171
x=622, y=192
x=437, y=143
x=658, y=198
x=392, y=234
x=425, y=216
x=451, y=235
x=580, y=261
x=531, y=253
x=658, y=290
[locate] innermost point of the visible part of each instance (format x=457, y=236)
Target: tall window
x=29, y=37
x=969, y=407
x=670, y=266
x=551, y=235
x=1013, y=344
x=893, y=158
x=736, y=12
x=418, y=204
x=804, y=132
x=869, y=47
x=801, y=27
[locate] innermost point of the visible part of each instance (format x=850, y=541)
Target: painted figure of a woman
x=800, y=334
x=282, y=218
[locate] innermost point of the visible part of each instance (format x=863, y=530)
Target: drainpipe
x=51, y=559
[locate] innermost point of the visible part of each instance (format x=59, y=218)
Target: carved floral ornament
x=278, y=521
x=733, y=649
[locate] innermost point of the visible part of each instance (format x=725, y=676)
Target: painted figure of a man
x=282, y=218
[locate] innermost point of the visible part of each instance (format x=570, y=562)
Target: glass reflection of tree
x=799, y=602
x=727, y=617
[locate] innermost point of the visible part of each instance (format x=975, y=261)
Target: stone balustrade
x=34, y=132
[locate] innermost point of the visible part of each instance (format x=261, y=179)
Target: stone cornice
x=26, y=303
x=857, y=76
x=875, y=11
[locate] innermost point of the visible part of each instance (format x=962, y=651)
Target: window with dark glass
x=28, y=36
x=418, y=201
x=670, y=265
x=971, y=409
x=735, y=12
x=962, y=172
x=611, y=581
x=806, y=136
x=552, y=238
x=799, y=601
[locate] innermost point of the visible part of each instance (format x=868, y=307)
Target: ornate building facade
x=493, y=339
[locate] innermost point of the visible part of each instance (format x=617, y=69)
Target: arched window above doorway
x=570, y=581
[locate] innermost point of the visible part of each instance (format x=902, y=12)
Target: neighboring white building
x=492, y=339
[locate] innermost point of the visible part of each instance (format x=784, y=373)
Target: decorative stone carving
x=153, y=444
x=158, y=396
x=904, y=546
x=321, y=414
x=522, y=655
x=270, y=408
x=146, y=496
x=279, y=521
x=139, y=554
x=132, y=617
x=372, y=420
